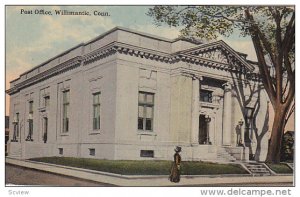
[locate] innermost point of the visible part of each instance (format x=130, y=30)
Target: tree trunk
x=273, y=155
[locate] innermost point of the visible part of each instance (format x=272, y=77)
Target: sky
x=32, y=39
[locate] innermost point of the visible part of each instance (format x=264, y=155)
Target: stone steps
x=291, y=165
x=223, y=155
x=257, y=169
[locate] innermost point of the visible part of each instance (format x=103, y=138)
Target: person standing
x=175, y=169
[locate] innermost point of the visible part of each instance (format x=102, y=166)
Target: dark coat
x=175, y=169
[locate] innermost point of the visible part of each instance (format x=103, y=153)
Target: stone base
x=240, y=153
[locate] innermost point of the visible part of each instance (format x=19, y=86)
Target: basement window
x=60, y=151
x=92, y=151
x=147, y=153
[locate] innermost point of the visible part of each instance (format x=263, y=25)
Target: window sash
x=145, y=111
x=30, y=127
x=17, y=125
x=66, y=96
x=96, y=111
x=30, y=107
x=66, y=108
x=206, y=96
x=65, y=124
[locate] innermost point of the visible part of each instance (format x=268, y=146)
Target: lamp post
x=241, y=140
x=30, y=121
x=249, y=115
x=207, y=120
x=15, y=123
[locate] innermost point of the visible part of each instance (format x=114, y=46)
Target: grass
x=280, y=168
x=127, y=167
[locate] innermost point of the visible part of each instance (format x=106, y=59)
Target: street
x=15, y=175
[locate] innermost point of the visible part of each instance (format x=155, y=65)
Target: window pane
x=30, y=106
x=66, y=95
x=148, y=124
x=47, y=101
x=140, y=123
x=141, y=97
x=98, y=122
x=149, y=98
x=96, y=98
x=66, y=125
x=149, y=112
x=141, y=111
x=65, y=111
x=205, y=96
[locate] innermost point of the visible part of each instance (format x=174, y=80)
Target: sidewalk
x=148, y=180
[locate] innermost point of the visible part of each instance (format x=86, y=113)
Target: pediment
x=218, y=52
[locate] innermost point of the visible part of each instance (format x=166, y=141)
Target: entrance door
x=202, y=130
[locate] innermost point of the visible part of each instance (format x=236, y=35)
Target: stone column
x=195, y=111
x=207, y=120
x=227, y=115
x=242, y=128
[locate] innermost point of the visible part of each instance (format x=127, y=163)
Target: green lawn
x=280, y=168
x=144, y=167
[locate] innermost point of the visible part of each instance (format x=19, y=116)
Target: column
x=195, y=110
x=242, y=128
x=227, y=115
x=207, y=120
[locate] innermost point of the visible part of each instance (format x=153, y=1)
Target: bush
x=280, y=168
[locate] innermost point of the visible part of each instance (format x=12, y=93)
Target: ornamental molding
x=221, y=51
x=63, y=67
x=126, y=49
x=217, y=55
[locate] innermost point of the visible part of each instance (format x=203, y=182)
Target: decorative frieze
x=63, y=67
x=215, y=55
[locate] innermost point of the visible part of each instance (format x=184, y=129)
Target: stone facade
x=131, y=95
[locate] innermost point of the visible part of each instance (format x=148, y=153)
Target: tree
x=287, y=149
x=272, y=31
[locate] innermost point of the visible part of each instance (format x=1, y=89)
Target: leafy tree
x=272, y=31
x=287, y=149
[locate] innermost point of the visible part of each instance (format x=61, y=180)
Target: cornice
x=63, y=67
x=189, y=56
x=126, y=49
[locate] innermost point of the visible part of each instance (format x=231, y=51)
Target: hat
x=177, y=149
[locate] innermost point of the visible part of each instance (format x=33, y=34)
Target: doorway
x=202, y=130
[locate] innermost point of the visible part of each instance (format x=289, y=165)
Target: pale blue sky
x=33, y=39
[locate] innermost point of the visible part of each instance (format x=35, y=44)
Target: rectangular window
x=147, y=153
x=96, y=111
x=66, y=109
x=17, y=124
x=206, y=96
x=30, y=122
x=60, y=151
x=45, y=134
x=92, y=151
x=145, y=111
